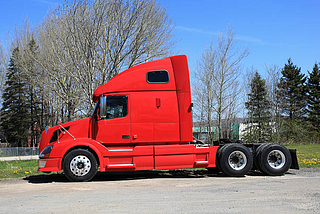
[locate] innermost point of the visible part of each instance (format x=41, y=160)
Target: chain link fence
x=19, y=151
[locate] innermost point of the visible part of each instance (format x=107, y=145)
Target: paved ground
x=164, y=192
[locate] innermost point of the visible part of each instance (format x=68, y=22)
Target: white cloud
x=237, y=37
x=196, y=30
x=46, y=2
x=249, y=39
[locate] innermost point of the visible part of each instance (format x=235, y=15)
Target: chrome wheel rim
x=237, y=160
x=276, y=159
x=80, y=165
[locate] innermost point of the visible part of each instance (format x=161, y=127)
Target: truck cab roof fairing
x=134, y=79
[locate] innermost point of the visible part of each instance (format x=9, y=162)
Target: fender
x=62, y=148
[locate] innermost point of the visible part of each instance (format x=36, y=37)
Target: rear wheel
x=258, y=152
x=80, y=165
x=235, y=160
x=274, y=159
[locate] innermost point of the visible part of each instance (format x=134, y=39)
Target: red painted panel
x=185, y=113
x=120, y=160
x=181, y=73
x=143, y=150
x=212, y=156
x=174, y=149
x=152, y=123
x=144, y=107
x=129, y=158
x=174, y=161
x=111, y=131
x=143, y=162
x=129, y=151
x=143, y=132
x=166, y=132
x=202, y=157
x=174, y=156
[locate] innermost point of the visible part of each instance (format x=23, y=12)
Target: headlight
x=46, y=152
x=42, y=163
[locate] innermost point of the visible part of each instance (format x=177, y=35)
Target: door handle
x=125, y=136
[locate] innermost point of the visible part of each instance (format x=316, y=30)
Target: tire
x=235, y=160
x=274, y=159
x=218, y=157
x=80, y=165
x=258, y=152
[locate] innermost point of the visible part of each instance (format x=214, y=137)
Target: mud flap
x=294, y=164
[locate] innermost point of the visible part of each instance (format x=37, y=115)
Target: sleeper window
x=157, y=77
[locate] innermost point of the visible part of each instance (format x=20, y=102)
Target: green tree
x=258, y=107
x=313, y=99
x=292, y=91
x=33, y=98
x=14, y=112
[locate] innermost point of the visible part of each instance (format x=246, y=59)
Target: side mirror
x=103, y=107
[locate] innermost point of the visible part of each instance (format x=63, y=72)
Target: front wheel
x=235, y=160
x=80, y=165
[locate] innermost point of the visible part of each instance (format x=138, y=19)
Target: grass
x=18, y=169
x=308, y=156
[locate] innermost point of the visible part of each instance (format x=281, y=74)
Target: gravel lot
x=164, y=192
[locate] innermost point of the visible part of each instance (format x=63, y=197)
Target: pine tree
x=33, y=101
x=292, y=91
x=258, y=107
x=314, y=98
x=14, y=113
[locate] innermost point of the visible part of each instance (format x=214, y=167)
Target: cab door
x=115, y=127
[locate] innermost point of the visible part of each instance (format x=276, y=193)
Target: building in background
x=229, y=130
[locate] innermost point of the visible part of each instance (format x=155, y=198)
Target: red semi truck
x=143, y=121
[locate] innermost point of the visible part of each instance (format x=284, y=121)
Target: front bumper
x=49, y=164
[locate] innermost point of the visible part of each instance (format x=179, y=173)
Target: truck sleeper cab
x=143, y=121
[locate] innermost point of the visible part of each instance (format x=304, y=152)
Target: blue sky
x=273, y=31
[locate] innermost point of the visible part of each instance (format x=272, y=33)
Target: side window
x=117, y=106
x=158, y=77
